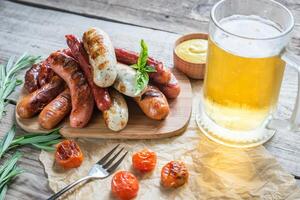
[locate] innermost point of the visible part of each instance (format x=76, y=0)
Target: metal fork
x=100, y=170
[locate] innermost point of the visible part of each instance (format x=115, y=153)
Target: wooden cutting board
x=139, y=126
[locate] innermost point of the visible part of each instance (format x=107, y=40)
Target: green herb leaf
x=38, y=140
x=9, y=166
x=7, y=140
x=142, y=61
x=142, y=77
x=3, y=192
x=8, y=80
x=44, y=147
x=150, y=69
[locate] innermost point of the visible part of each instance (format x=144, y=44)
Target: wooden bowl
x=192, y=70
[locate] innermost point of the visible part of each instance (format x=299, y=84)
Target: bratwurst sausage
x=56, y=110
x=116, y=117
x=153, y=103
x=81, y=95
x=101, y=95
x=37, y=100
x=101, y=56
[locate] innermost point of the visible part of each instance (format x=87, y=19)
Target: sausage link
x=81, y=94
x=56, y=110
x=153, y=103
x=101, y=95
x=31, y=78
x=101, y=56
x=37, y=100
x=116, y=117
x=171, y=89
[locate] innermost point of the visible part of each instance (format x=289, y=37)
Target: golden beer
x=242, y=80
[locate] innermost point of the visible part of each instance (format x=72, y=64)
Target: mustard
x=193, y=51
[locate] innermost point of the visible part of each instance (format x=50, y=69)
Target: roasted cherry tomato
x=124, y=185
x=144, y=161
x=174, y=174
x=68, y=154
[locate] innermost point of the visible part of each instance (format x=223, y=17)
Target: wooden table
x=39, y=26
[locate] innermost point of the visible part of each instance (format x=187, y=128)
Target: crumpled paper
x=216, y=172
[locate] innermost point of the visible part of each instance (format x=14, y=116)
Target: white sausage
x=101, y=56
x=116, y=117
x=125, y=82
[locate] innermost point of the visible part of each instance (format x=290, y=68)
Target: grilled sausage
x=101, y=95
x=81, y=94
x=161, y=76
x=56, y=110
x=45, y=74
x=101, y=56
x=37, y=100
x=125, y=82
x=171, y=89
x=40, y=74
x=153, y=103
x=31, y=78
x=116, y=117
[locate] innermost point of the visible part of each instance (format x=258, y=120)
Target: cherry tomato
x=174, y=174
x=124, y=185
x=144, y=161
x=68, y=154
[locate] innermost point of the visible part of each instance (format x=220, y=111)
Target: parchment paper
x=216, y=172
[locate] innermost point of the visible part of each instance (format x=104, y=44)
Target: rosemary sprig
x=37, y=140
x=9, y=171
x=142, y=77
x=8, y=77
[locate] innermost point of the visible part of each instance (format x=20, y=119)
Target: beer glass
x=247, y=54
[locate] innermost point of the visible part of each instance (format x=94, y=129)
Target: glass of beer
x=246, y=59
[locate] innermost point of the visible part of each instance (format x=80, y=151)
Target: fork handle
x=68, y=187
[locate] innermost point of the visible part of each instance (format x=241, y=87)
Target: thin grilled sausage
x=171, y=89
x=81, y=95
x=34, y=102
x=153, y=103
x=101, y=56
x=56, y=110
x=101, y=95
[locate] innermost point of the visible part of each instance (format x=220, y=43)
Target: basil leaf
x=143, y=57
x=142, y=80
x=150, y=69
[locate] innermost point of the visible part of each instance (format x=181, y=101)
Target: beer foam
x=250, y=37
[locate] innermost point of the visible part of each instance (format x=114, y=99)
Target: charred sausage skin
x=56, y=110
x=81, y=95
x=101, y=95
x=34, y=102
x=153, y=103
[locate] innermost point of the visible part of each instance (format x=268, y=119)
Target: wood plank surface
x=40, y=31
x=169, y=15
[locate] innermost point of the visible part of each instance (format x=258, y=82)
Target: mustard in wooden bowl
x=193, y=51
x=189, y=54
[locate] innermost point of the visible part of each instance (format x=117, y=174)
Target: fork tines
x=107, y=164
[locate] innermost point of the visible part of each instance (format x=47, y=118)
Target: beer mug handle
x=294, y=61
